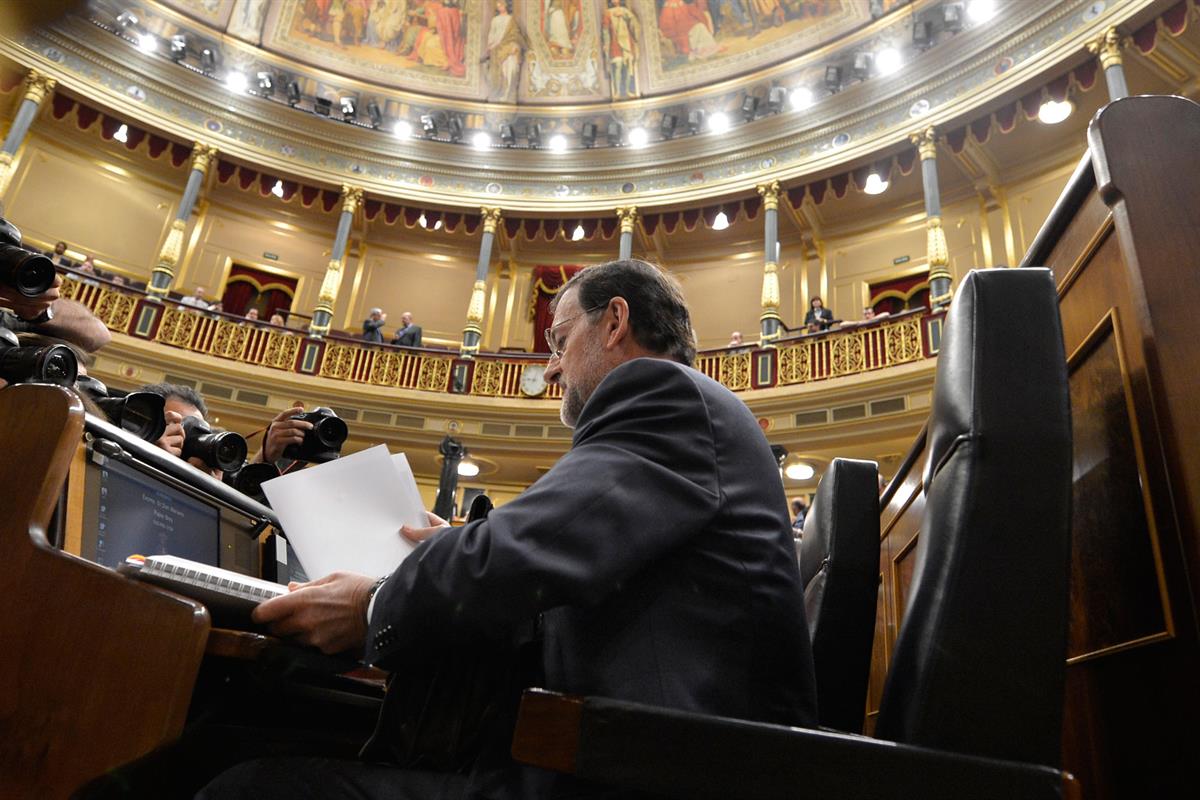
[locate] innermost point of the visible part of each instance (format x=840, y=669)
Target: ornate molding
x=202, y=157
x=769, y=192
x=628, y=216
x=38, y=86
x=352, y=197
x=491, y=218
x=926, y=142
x=1108, y=48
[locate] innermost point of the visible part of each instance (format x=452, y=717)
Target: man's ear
x=617, y=327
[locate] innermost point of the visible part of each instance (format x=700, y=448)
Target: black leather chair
x=972, y=704
x=839, y=568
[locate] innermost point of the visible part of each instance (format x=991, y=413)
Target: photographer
x=281, y=432
x=181, y=402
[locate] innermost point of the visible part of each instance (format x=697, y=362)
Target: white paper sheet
x=346, y=514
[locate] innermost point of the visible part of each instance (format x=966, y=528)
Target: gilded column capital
x=351, y=198
x=926, y=142
x=202, y=157
x=491, y=218
x=936, y=248
x=1108, y=47
x=628, y=216
x=770, y=194
x=38, y=85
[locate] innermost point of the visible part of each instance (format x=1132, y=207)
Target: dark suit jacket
x=658, y=550
x=822, y=316
x=408, y=337
x=372, y=330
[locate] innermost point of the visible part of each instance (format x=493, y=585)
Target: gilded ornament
x=936, y=248
x=770, y=194
x=475, y=308
x=491, y=218
x=628, y=217
x=351, y=198
x=202, y=156
x=770, y=287
x=330, y=285
x=1108, y=47
x=38, y=86
x=926, y=142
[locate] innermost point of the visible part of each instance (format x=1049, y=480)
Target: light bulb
x=147, y=43
x=718, y=122
x=875, y=184
x=577, y=234
x=236, y=82
x=721, y=222
x=801, y=97
x=403, y=129
x=481, y=140
x=888, y=61
x=557, y=143
x=1052, y=112
x=638, y=138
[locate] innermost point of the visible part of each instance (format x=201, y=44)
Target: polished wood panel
x=95, y=670
x=1122, y=243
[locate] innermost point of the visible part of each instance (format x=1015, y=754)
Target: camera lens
x=31, y=274
x=331, y=431
x=52, y=364
x=230, y=450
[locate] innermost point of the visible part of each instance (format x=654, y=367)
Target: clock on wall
x=533, y=380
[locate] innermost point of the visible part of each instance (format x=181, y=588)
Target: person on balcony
x=408, y=334
x=373, y=326
x=819, y=318
x=196, y=299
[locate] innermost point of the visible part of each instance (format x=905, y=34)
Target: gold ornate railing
x=847, y=351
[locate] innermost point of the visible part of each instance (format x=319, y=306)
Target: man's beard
x=576, y=395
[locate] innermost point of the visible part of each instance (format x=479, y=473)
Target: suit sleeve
x=639, y=481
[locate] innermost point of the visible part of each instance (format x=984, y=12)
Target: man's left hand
x=282, y=432
x=30, y=307
x=329, y=614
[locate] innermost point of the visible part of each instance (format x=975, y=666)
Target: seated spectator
x=799, y=512
x=870, y=313
x=196, y=299
x=59, y=257
x=88, y=268
x=735, y=339
x=408, y=335
x=373, y=326
x=818, y=318
x=118, y=280
x=218, y=307
x=277, y=319
x=252, y=315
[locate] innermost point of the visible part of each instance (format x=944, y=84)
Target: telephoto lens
x=54, y=363
x=140, y=413
x=249, y=480
x=323, y=442
x=223, y=451
x=31, y=274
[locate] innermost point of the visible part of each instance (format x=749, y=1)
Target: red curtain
x=547, y=281
x=901, y=294
x=239, y=296
x=248, y=288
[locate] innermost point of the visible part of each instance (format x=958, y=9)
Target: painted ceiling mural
x=537, y=51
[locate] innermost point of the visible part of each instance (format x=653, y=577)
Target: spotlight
x=875, y=184
x=122, y=134
x=979, y=11
x=374, y=114
x=481, y=140
x=558, y=143
x=801, y=98
x=293, y=93
x=776, y=99
x=922, y=35
x=422, y=221
x=721, y=222
x=507, y=135
x=638, y=138
x=322, y=106
x=456, y=128
x=833, y=78
x=799, y=471
x=467, y=469
x=126, y=19
x=208, y=60
x=613, y=134
x=749, y=107
x=587, y=134
x=266, y=84
x=236, y=81
x=403, y=129
x=349, y=108
x=695, y=120
x=178, y=47
x=577, y=234
x=277, y=189
x=667, y=126
x=1052, y=112
x=888, y=60
x=429, y=126
x=534, y=135
x=718, y=122
x=952, y=17
x=862, y=65
x=147, y=43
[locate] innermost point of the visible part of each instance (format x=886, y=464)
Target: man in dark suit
x=818, y=318
x=657, y=553
x=408, y=335
x=373, y=326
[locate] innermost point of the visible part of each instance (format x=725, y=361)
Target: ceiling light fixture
x=208, y=60
x=534, y=135
x=578, y=233
x=833, y=78
x=147, y=43
x=1053, y=112
x=776, y=99
x=481, y=140
x=349, y=108
x=876, y=184
x=322, y=106
x=429, y=125
x=613, y=134
x=801, y=98
x=587, y=134
x=467, y=469
x=638, y=138
x=667, y=126
x=718, y=122
x=749, y=107
x=122, y=134
x=720, y=222
x=980, y=11
x=888, y=60
x=277, y=189
x=236, y=81
x=266, y=84
x=799, y=471
x=402, y=129
x=558, y=143
x=178, y=47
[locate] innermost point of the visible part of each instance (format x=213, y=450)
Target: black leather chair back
x=979, y=663
x=839, y=568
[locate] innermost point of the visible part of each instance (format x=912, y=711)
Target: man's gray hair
x=658, y=314
x=376, y=311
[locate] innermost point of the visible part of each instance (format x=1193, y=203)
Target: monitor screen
x=139, y=514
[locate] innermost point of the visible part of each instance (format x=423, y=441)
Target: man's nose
x=553, y=370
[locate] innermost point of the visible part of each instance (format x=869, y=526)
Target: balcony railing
x=849, y=350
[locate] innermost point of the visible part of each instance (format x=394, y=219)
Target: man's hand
x=173, y=436
x=329, y=614
x=29, y=307
x=418, y=535
x=282, y=432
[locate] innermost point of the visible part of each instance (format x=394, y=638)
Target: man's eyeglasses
x=556, y=348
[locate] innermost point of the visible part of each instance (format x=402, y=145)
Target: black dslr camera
x=249, y=480
x=322, y=443
x=53, y=363
x=223, y=451
x=140, y=413
x=29, y=273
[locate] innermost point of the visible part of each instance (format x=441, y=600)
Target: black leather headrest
x=978, y=666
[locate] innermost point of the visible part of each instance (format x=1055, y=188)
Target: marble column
x=323, y=313
x=1108, y=48
x=937, y=253
x=628, y=216
x=163, y=273
x=473, y=331
x=770, y=322
x=37, y=88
